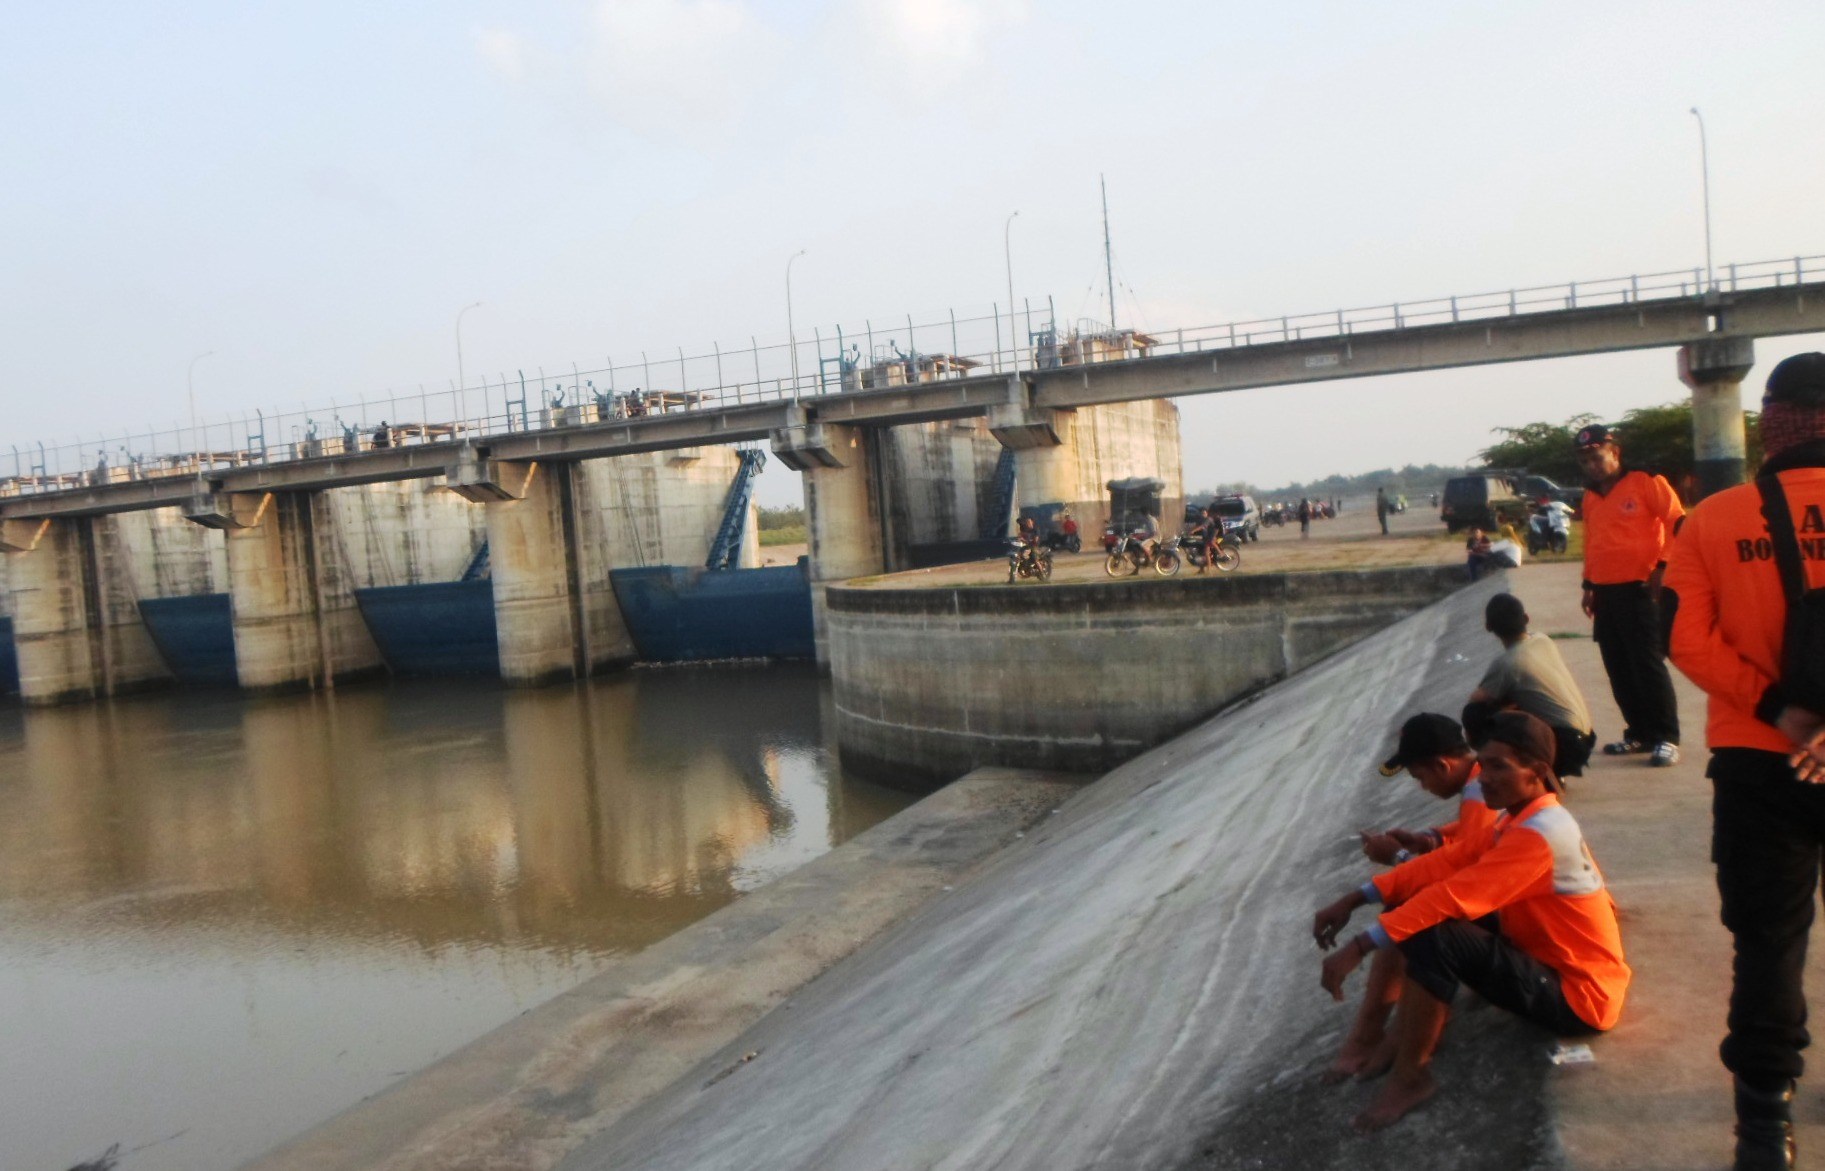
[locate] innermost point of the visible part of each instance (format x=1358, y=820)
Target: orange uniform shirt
x=1475, y=825
x=1628, y=531
x=1537, y=874
x=1732, y=614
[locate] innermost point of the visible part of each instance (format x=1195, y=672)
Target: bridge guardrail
x=827, y=362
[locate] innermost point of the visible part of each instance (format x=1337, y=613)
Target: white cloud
x=927, y=41
x=681, y=67
x=503, y=52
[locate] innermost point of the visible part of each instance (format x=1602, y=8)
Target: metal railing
x=874, y=356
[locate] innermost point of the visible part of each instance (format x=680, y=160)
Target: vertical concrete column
x=76, y=624
x=295, y=620
x=1715, y=369
x=531, y=553
x=1045, y=452
x=842, y=507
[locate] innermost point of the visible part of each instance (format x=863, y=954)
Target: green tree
x=1658, y=439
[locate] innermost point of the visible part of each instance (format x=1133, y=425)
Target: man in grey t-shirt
x=1530, y=675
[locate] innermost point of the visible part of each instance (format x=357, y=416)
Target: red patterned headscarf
x=1793, y=409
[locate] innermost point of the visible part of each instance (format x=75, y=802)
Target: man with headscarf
x=1767, y=749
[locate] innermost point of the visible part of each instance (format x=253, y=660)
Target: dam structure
x=909, y=455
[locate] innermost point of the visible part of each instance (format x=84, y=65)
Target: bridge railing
x=827, y=361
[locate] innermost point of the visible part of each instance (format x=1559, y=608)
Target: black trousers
x=1768, y=833
x=1632, y=638
x=1441, y=958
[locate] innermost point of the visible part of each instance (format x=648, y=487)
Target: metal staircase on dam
x=478, y=568
x=995, y=523
x=725, y=551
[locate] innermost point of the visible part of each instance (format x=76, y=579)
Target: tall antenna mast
x=1108, y=253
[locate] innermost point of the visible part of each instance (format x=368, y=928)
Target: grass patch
x=791, y=535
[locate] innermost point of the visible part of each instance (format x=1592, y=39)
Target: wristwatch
x=1402, y=855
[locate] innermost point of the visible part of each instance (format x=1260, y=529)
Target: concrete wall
x=167, y=556
x=1102, y=444
x=930, y=683
x=940, y=480
x=409, y=532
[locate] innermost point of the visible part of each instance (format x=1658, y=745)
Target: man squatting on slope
x=1432, y=748
x=1531, y=675
x=1630, y=517
x=1554, y=955
x=1767, y=748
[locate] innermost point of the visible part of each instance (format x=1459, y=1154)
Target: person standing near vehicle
x=1630, y=517
x=1735, y=637
x=1381, y=509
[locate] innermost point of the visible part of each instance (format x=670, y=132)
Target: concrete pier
x=842, y=507
x=1715, y=370
x=76, y=625
x=1069, y=456
x=295, y=619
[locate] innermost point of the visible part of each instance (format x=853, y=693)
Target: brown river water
x=223, y=920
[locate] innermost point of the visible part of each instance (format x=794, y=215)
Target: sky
x=311, y=193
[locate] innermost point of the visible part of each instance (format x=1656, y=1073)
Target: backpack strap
x=1780, y=533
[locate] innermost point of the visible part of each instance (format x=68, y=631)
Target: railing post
x=1733, y=277
x=1398, y=323
x=1512, y=307
x=1284, y=336
x=1571, y=298
x=1634, y=288
x=1454, y=307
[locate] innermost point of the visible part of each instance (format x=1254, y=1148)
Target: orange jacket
x=1727, y=633
x=1464, y=838
x=1628, y=531
x=1538, y=874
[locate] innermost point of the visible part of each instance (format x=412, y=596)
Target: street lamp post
x=1007, y=248
x=1704, y=165
x=461, y=397
x=792, y=334
x=196, y=440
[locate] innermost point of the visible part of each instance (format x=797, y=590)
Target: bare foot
x=1353, y=1058
x=1378, y=1062
x=1398, y=1097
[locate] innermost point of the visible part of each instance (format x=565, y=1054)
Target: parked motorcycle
x=1133, y=552
x=1191, y=548
x=1028, y=561
x=1543, y=533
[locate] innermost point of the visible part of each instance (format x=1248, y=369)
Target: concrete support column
x=1045, y=452
x=296, y=624
x=1715, y=369
x=76, y=626
x=842, y=507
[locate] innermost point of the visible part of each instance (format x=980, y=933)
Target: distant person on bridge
x=1433, y=750
x=1630, y=517
x=1737, y=636
x=1530, y=675
x=383, y=435
x=1554, y=955
x=1381, y=509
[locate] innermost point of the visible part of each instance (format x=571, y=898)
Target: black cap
x=1593, y=435
x=1422, y=737
x=1799, y=380
x=1529, y=737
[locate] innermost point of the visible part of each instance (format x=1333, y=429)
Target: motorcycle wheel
x=1074, y=544
x=1558, y=544
x=1043, y=567
x=1115, y=565
x=1167, y=563
x=1228, y=557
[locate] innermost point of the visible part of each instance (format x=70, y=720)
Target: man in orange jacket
x=1767, y=752
x=1433, y=750
x=1630, y=517
x=1556, y=956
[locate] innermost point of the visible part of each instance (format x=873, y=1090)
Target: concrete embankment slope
x=527, y=1093
x=1108, y=991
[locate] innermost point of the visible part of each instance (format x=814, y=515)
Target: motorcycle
x=1543, y=533
x=1066, y=537
x=1131, y=553
x=1187, y=547
x=1028, y=561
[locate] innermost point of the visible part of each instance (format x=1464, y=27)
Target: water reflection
x=363, y=880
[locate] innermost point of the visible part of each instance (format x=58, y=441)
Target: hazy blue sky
x=315, y=190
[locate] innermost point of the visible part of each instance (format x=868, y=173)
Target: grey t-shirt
x=1531, y=675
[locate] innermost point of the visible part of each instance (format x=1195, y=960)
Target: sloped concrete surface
x=1108, y=991
x=527, y=1093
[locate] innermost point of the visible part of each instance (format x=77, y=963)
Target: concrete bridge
x=898, y=454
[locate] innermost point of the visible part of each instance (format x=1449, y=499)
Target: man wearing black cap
x=1765, y=727
x=1630, y=517
x=1556, y=956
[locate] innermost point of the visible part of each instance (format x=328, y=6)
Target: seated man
x=1433, y=750
x=1555, y=954
x=1476, y=552
x=1531, y=676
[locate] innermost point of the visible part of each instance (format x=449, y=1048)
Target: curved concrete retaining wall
x=931, y=683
